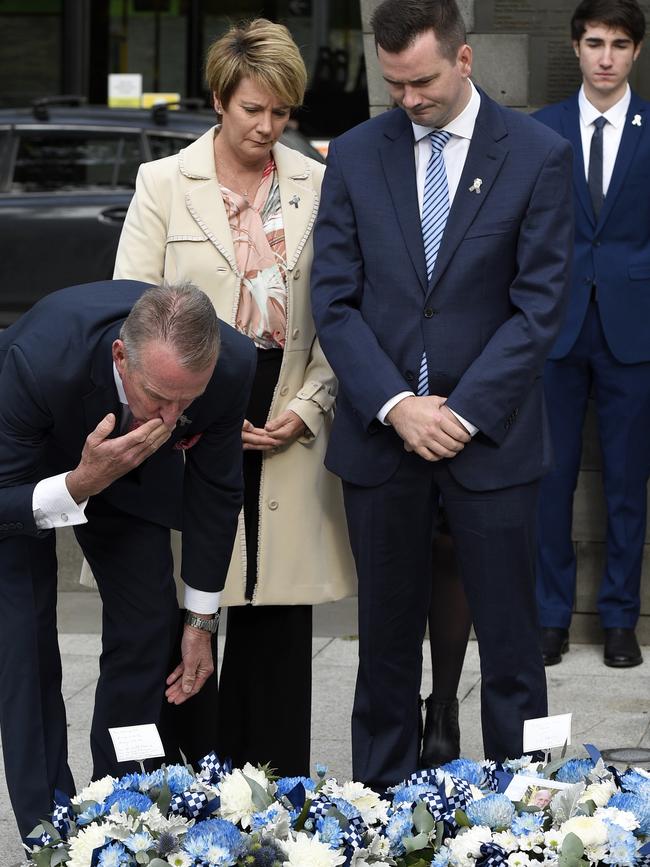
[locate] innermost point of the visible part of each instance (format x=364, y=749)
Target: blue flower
x=113, y=855
x=260, y=820
x=330, y=831
x=94, y=811
x=154, y=780
x=321, y=770
x=409, y=794
x=441, y=859
x=632, y=781
x=465, y=769
x=179, y=779
x=636, y=803
x=399, y=825
x=345, y=807
x=130, y=781
x=286, y=784
x=216, y=841
x=574, y=771
x=527, y=823
x=127, y=800
x=621, y=844
x=267, y=854
x=141, y=842
x=495, y=811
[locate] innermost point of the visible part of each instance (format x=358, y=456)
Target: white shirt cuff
x=472, y=430
x=200, y=602
x=386, y=408
x=53, y=506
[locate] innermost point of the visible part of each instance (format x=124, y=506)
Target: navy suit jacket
x=487, y=318
x=612, y=252
x=56, y=384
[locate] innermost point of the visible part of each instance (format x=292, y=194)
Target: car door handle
x=114, y=215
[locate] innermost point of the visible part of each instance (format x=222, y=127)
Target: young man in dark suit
x=604, y=345
x=103, y=389
x=441, y=265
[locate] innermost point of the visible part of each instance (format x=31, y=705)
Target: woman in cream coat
x=204, y=215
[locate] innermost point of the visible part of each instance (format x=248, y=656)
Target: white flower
x=304, y=851
x=367, y=802
x=507, y=840
x=624, y=818
x=236, y=795
x=96, y=791
x=154, y=820
x=179, y=859
x=83, y=845
x=466, y=847
x=599, y=793
x=519, y=859
x=529, y=842
x=591, y=831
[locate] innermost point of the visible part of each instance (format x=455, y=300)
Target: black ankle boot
x=441, y=739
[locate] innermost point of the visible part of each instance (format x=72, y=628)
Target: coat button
x=273, y=505
x=284, y=389
x=295, y=333
x=297, y=274
x=429, y=313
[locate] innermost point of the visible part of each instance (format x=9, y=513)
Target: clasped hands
x=428, y=427
x=281, y=431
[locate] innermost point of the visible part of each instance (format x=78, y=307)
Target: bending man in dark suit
x=604, y=345
x=82, y=367
x=439, y=353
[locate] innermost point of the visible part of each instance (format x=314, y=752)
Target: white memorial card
x=547, y=732
x=522, y=784
x=136, y=743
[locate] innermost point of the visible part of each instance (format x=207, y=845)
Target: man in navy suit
x=103, y=389
x=440, y=364
x=604, y=344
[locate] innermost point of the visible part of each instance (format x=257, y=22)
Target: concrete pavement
x=611, y=707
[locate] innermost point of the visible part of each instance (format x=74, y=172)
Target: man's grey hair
x=178, y=314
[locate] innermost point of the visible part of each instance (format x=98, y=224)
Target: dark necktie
x=595, y=173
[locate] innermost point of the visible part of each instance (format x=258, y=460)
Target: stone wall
x=505, y=64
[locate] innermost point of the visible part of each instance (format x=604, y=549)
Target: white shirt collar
x=615, y=115
x=119, y=386
x=461, y=126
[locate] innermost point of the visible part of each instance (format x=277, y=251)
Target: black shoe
x=441, y=738
x=555, y=642
x=621, y=648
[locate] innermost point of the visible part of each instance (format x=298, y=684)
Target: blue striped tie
x=435, y=209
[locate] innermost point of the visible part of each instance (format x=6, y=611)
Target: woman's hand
x=275, y=434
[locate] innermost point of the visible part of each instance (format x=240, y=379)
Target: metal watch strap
x=207, y=624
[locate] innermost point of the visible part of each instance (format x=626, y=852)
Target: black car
x=67, y=176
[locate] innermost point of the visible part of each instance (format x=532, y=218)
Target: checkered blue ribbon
x=62, y=818
x=642, y=861
x=461, y=796
x=352, y=839
x=492, y=856
x=428, y=777
x=214, y=767
x=319, y=808
x=189, y=803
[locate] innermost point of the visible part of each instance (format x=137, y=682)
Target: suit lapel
x=202, y=198
x=103, y=398
x=298, y=198
x=484, y=160
x=570, y=121
x=398, y=160
x=630, y=139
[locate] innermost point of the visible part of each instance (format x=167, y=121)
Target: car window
x=68, y=160
x=166, y=145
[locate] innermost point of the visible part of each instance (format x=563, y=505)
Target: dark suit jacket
x=489, y=315
x=56, y=384
x=612, y=252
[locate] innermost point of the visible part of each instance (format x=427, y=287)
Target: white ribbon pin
x=636, y=120
x=476, y=186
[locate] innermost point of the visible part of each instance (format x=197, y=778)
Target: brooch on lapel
x=636, y=120
x=188, y=442
x=294, y=201
x=183, y=421
x=476, y=186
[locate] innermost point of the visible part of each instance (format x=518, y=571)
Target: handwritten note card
x=547, y=732
x=135, y=743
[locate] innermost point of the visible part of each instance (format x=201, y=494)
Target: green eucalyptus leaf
x=164, y=799
x=440, y=833
x=461, y=819
x=261, y=798
x=300, y=821
x=422, y=818
x=158, y=862
x=572, y=851
x=141, y=858
x=60, y=856
x=414, y=844
x=42, y=858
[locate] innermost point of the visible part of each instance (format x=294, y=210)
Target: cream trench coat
x=177, y=229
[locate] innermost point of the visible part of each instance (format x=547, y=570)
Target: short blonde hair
x=262, y=51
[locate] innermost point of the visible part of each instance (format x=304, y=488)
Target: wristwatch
x=207, y=624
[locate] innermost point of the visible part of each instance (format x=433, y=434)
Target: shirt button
x=297, y=274
x=64, y=517
x=284, y=389
x=273, y=505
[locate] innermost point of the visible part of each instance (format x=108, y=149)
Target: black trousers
x=391, y=529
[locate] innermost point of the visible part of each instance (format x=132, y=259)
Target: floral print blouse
x=260, y=250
